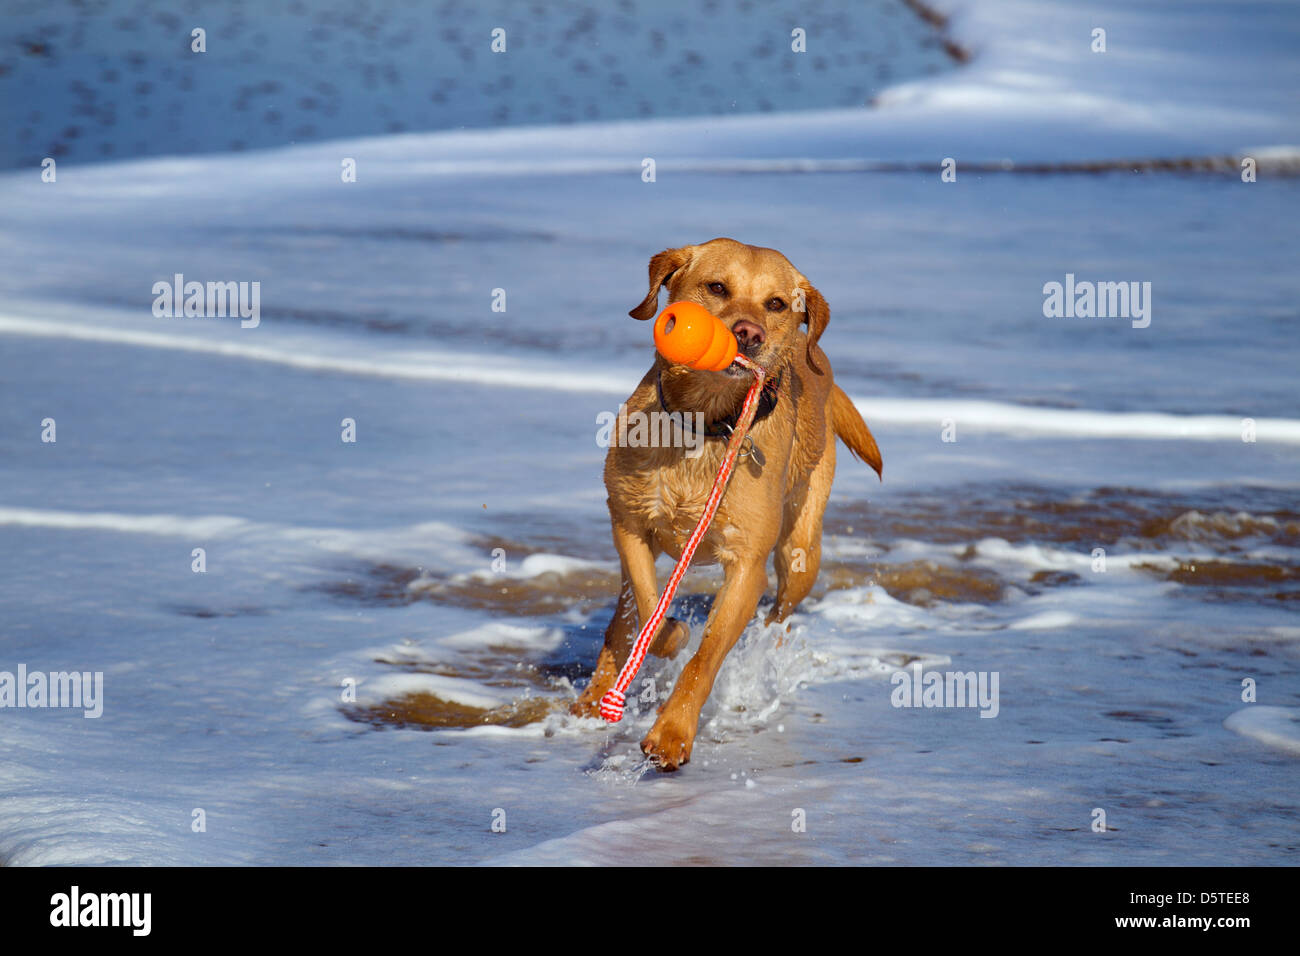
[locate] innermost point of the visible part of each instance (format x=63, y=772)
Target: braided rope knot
x=611, y=705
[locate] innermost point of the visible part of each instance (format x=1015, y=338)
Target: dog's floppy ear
x=662, y=265
x=817, y=314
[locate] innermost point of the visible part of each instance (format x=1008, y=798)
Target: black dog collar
x=722, y=428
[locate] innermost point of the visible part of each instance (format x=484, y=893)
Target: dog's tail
x=853, y=431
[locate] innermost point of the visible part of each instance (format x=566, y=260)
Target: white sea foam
x=178, y=526
x=535, y=565
x=375, y=690
x=1021, y=420
x=427, y=541
x=1275, y=727
x=478, y=369
x=1047, y=620
x=504, y=634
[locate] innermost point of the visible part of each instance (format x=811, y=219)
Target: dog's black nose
x=748, y=334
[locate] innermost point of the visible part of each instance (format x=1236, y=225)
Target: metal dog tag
x=748, y=448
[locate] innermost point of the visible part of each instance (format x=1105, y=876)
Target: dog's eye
x=775, y=304
x=717, y=288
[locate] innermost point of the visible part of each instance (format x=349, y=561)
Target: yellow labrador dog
x=774, y=503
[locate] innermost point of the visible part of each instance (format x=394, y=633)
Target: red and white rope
x=611, y=705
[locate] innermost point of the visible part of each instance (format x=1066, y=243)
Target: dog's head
x=756, y=292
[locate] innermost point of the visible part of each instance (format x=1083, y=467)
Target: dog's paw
x=668, y=745
x=778, y=613
x=672, y=637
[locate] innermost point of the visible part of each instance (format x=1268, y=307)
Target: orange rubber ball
x=687, y=333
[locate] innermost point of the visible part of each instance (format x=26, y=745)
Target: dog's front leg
x=671, y=738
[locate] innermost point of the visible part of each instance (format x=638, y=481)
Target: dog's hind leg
x=672, y=637
x=637, y=597
x=618, y=642
x=798, y=554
